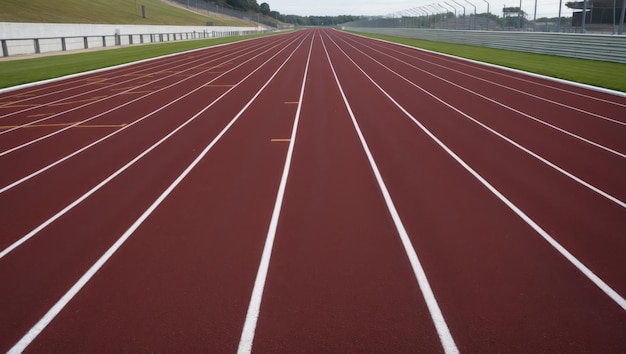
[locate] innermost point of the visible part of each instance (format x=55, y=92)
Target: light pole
x=428, y=11
x=474, y=13
x=422, y=11
x=455, y=19
x=519, y=16
x=417, y=16
x=584, y=14
x=454, y=1
x=445, y=11
x=558, y=25
x=614, y=5
x=488, y=14
x=621, y=18
x=437, y=10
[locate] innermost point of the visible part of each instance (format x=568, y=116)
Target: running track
x=312, y=192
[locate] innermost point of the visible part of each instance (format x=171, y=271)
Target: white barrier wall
x=575, y=45
x=29, y=38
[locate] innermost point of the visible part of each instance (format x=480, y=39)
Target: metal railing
x=52, y=44
x=585, y=46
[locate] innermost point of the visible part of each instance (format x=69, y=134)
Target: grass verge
x=22, y=71
x=106, y=11
x=592, y=72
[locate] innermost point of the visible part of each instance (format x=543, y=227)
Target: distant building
x=599, y=12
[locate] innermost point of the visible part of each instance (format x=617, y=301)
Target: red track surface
x=312, y=192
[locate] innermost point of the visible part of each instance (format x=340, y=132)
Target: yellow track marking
x=97, y=81
x=292, y=102
x=78, y=101
x=52, y=125
x=101, y=126
x=8, y=105
x=38, y=125
x=131, y=92
x=281, y=140
x=123, y=88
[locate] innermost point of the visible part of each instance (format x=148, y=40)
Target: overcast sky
x=547, y=8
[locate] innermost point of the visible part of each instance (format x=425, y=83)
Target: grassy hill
x=107, y=12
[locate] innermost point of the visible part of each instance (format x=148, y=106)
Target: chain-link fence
x=480, y=22
x=601, y=16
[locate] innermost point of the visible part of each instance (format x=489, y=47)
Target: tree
x=265, y=9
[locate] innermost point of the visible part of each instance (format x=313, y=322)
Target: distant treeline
x=264, y=8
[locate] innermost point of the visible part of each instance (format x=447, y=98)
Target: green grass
x=592, y=72
x=15, y=72
x=106, y=12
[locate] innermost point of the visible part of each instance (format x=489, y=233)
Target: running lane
x=339, y=279
x=39, y=273
x=313, y=191
x=474, y=205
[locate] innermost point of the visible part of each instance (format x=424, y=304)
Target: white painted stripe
x=30, y=336
x=101, y=88
x=136, y=76
x=439, y=321
x=59, y=214
x=564, y=131
x=97, y=78
x=617, y=298
x=8, y=151
x=510, y=141
x=254, y=307
x=110, y=68
x=481, y=66
x=49, y=166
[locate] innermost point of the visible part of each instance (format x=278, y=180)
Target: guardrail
x=54, y=44
x=576, y=45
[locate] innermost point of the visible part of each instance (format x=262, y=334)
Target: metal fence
x=52, y=44
x=586, y=46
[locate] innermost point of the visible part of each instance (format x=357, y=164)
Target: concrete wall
x=29, y=38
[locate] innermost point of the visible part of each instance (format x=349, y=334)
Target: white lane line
x=564, y=131
x=488, y=67
x=106, y=71
x=439, y=321
x=59, y=214
x=578, y=180
x=30, y=336
x=47, y=104
x=8, y=151
x=49, y=166
x=254, y=307
x=617, y=298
